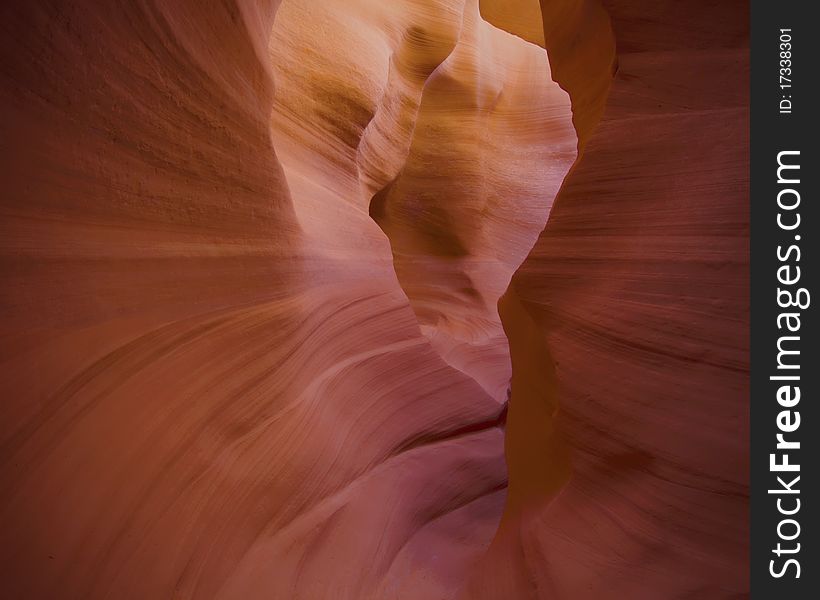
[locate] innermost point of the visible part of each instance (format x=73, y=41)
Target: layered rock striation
x=628, y=460
x=253, y=258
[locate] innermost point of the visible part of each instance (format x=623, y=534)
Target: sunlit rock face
x=225, y=373
x=253, y=256
x=447, y=130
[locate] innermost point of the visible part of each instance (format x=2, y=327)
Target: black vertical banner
x=785, y=59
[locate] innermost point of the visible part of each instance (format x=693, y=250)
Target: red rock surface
x=251, y=254
x=628, y=462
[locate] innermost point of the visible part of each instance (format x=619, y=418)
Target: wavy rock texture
x=214, y=379
x=447, y=130
x=251, y=254
x=628, y=460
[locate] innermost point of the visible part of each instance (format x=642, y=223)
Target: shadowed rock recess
x=367, y=300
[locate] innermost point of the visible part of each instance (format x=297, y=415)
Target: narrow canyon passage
x=272, y=271
x=448, y=130
x=450, y=134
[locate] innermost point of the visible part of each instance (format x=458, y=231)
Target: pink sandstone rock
x=253, y=257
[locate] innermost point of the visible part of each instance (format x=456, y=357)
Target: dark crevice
x=425, y=439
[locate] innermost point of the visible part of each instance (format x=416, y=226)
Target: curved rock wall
x=214, y=381
x=628, y=461
x=448, y=131
x=251, y=254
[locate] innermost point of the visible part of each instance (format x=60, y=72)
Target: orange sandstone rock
x=251, y=257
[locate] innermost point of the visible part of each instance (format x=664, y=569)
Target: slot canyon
x=370, y=300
